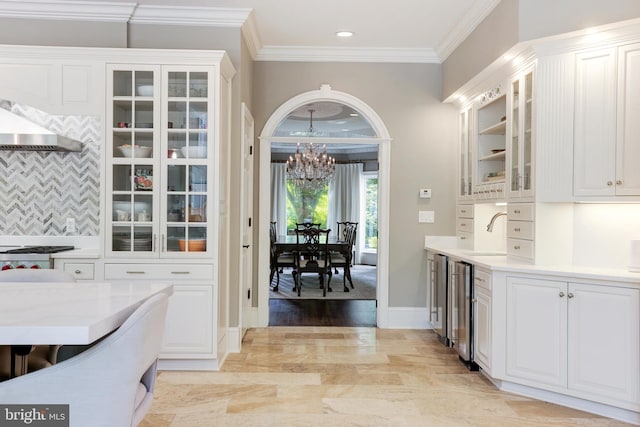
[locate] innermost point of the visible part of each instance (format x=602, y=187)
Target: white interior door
x=249, y=314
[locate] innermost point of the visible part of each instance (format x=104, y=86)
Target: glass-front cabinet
x=521, y=139
x=159, y=159
x=490, y=149
x=465, y=183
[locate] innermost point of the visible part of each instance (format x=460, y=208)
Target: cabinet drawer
x=520, y=248
x=465, y=224
x=520, y=211
x=465, y=240
x=81, y=271
x=465, y=211
x=520, y=229
x=482, y=279
x=158, y=271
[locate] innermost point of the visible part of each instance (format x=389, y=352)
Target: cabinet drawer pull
x=561, y=294
x=463, y=225
x=77, y=272
x=135, y=272
x=463, y=211
x=516, y=247
x=570, y=295
x=463, y=238
x=517, y=229
x=516, y=211
x=180, y=272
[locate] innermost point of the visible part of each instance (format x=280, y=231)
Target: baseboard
x=406, y=318
x=234, y=339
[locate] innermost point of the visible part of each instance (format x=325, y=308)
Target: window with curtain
x=306, y=205
x=370, y=212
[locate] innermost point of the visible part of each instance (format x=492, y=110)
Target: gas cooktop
x=37, y=250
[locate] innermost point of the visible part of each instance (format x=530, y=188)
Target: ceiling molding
x=353, y=54
x=251, y=36
x=66, y=10
x=187, y=15
x=474, y=16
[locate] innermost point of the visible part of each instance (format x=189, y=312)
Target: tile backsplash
x=40, y=190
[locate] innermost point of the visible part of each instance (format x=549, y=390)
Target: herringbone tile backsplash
x=40, y=190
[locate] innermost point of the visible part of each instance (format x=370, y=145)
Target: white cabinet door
x=482, y=331
x=595, y=123
x=189, y=326
x=536, y=338
x=628, y=141
x=604, y=337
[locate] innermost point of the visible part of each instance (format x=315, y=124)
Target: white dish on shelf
x=194, y=152
x=145, y=90
x=138, y=150
x=125, y=207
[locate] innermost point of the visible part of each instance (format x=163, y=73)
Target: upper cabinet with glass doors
x=159, y=159
x=465, y=173
x=521, y=138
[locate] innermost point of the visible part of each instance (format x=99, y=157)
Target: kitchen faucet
x=493, y=219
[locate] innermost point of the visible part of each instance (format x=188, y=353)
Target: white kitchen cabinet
x=490, y=145
x=580, y=339
x=161, y=156
x=607, y=132
x=520, y=131
x=465, y=165
x=482, y=333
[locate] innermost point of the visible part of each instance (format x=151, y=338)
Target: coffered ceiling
x=418, y=31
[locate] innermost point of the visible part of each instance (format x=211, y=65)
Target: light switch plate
x=426, y=216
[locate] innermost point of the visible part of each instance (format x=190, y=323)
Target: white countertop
x=68, y=313
x=446, y=246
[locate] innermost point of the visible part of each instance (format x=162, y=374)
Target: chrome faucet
x=493, y=219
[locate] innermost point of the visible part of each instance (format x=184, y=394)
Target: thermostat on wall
x=425, y=193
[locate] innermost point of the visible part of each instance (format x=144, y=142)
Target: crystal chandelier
x=310, y=167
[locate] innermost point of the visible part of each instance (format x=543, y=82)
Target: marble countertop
x=446, y=245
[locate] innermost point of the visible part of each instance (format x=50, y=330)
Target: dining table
x=288, y=243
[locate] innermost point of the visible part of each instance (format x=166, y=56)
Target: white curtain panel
x=344, y=198
x=279, y=197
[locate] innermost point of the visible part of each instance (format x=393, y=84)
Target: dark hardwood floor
x=314, y=312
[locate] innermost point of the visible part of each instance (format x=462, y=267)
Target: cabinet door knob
x=609, y=183
x=516, y=247
x=618, y=182
x=570, y=295
x=561, y=294
x=77, y=272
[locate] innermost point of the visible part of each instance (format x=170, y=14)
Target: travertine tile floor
x=313, y=376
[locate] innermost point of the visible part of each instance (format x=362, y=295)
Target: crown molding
x=329, y=54
x=474, y=16
x=188, y=15
x=67, y=10
x=252, y=36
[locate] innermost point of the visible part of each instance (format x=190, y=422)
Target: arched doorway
x=381, y=138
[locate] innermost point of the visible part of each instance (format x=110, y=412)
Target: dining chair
x=277, y=260
x=344, y=258
x=343, y=227
x=305, y=225
x=110, y=384
x=312, y=256
x=32, y=358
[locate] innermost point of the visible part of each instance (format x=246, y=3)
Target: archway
x=382, y=139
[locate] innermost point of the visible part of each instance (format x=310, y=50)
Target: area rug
x=364, y=283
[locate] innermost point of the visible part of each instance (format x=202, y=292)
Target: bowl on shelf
x=145, y=90
x=194, y=152
x=199, y=245
x=138, y=151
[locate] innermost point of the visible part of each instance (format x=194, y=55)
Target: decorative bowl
x=145, y=90
x=199, y=245
x=194, y=152
x=139, y=151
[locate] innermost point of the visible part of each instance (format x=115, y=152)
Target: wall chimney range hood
x=20, y=134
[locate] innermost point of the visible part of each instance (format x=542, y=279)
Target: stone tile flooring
x=330, y=376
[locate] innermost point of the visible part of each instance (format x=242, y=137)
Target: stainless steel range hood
x=20, y=134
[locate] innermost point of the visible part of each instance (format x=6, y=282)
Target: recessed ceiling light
x=344, y=33
x=353, y=114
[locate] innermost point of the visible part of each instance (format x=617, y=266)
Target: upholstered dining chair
x=109, y=385
x=277, y=260
x=40, y=356
x=312, y=256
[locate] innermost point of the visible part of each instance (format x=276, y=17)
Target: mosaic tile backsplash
x=40, y=190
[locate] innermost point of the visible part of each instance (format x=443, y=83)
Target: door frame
x=383, y=140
